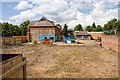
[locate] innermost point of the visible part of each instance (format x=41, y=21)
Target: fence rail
x=9, y=40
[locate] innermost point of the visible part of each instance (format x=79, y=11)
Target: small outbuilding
x=82, y=35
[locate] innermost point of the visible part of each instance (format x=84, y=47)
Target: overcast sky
x=72, y=12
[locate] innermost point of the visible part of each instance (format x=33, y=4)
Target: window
x=45, y=37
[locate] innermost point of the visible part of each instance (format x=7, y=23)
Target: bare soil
x=87, y=61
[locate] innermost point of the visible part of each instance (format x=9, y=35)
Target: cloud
x=23, y=16
x=1, y=21
x=23, y=5
x=63, y=12
x=55, y=8
x=81, y=5
x=99, y=15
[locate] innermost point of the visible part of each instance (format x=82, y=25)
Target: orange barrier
x=47, y=42
x=20, y=36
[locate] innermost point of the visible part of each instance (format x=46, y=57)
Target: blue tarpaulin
x=46, y=37
x=68, y=38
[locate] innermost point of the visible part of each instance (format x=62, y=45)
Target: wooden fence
x=13, y=66
x=13, y=39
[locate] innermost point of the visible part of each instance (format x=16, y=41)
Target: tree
x=5, y=29
x=98, y=28
x=106, y=27
x=78, y=28
x=93, y=26
x=64, y=31
x=23, y=27
x=57, y=24
x=88, y=28
x=112, y=24
x=118, y=25
x=0, y=29
x=10, y=30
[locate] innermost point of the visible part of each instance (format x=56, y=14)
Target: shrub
x=6, y=44
x=100, y=44
x=35, y=42
x=19, y=44
x=14, y=43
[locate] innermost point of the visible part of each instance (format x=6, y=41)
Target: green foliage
x=106, y=27
x=23, y=27
x=93, y=26
x=35, y=42
x=118, y=25
x=100, y=44
x=14, y=30
x=57, y=24
x=19, y=43
x=64, y=31
x=112, y=24
x=14, y=43
x=78, y=28
x=55, y=56
x=98, y=28
x=88, y=28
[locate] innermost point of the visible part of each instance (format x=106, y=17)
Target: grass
x=53, y=71
x=55, y=55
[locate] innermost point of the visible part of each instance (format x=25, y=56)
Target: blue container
x=68, y=38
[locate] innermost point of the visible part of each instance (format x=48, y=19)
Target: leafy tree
x=106, y=27
x=64, y=31
x=10, y=29
x=112, y=24
x=5, y=29
x=57, y=24
x=78, y=28
x=0, y=29
x=118, y=25
x=88, y=28
x=98, y=28
x=14, y=30
x=23, y=27
x=93, y=26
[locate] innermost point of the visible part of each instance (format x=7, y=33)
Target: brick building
x=82, y=35
x=95, y=35
x=43, y=29
x=111, y=42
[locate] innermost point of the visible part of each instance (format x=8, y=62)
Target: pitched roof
x=41, y=23
x=82, y=33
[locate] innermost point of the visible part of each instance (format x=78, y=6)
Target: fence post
x=24, y=70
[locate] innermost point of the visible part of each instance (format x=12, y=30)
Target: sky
x=71, y=12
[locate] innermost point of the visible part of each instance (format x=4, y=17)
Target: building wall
x=57, y=33
x=94, y=35
x=82, y=37
x=36, y=32
x=110, y=42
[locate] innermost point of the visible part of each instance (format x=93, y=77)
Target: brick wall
x=95, y=34
x=119, y=44
x=57, y=33
x=110, y=42
x=35, y=33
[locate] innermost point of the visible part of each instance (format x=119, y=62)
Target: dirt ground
x=86, y=61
